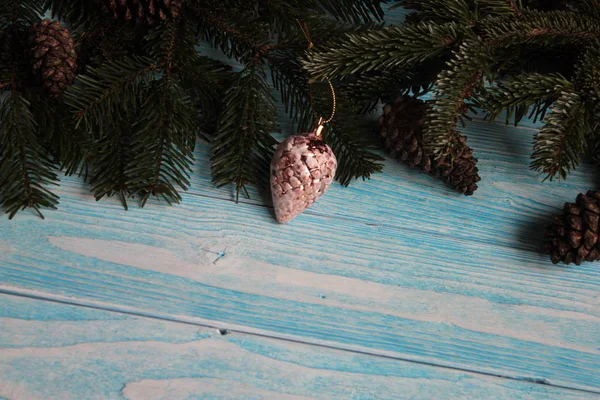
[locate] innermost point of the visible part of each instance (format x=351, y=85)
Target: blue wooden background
x=393, y=288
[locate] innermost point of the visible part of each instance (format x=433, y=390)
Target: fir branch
x=20, y=14
x=454, y=88
x=172, y=44
x=346, y=137
x=519, y=93
x=353, y=151
x=549, y=29
x=499, y=7
x=25, y=168
x=70, y=147
x=113, y=154
x=460, y=11
x=588, y=7
x=353, y=11
x=102, y=93
x=162, y=143
x=78, y=13
x=243, y=145
x=393, y=47
x=242, y=37
x=206, y=80
x=370, y=88
x=291, y=81
x=561, y=141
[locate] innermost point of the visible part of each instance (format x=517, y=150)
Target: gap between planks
x=223, y=330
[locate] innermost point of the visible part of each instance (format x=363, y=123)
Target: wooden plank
x=50, y=350
x=511, y=208
x=403, y=293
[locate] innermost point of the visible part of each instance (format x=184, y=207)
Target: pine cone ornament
x=302, y=169
x=402, y=132
x=54, y=60
x=573, y=237
x=142, y=11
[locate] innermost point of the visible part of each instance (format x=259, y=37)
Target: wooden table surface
x=393, y=288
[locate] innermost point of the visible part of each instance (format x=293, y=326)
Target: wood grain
x=57, y=351
x=398, y=266
x=410, y=294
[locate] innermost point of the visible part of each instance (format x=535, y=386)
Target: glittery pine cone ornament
x=54, y=60
x=302, y=169
x=402, y=131
x=142, y=11
x=573, y=238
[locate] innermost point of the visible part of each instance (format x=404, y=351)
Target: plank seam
x=227, y=331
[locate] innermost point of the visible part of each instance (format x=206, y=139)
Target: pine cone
x=402, y=131
x=142, y=11
x=54, y=60
x=573, y=237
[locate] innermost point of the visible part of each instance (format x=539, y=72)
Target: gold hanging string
x=321, y=122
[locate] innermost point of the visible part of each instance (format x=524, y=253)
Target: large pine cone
x=402, y=131
x=142, y=11
x=573, y=237
x=54, y=60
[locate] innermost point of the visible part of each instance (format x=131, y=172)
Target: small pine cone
x=53, y=56
x=142, y=11
x=573, y=238
x=402, y=131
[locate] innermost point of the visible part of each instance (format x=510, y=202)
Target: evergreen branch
x=499, y=7
x=102, y=93
x=25, y=168
x=460, y=11
x=78, y=13
x=242, y=37
x=172, y=44
x=455, y=86
x=20, y=14
x=243, y=145
x=162, y=143
x=346, y=137
x=206, y=80
x=292, y=82
x=393, y=47
x=370, y=88
x=114, y=152
x=561, y=141
x=588, y=7
x=549, y=28
x=70, y=147
x=353, y=11
x=519, y=93
x=354, y=153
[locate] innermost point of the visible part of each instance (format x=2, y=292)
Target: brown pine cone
x=402, y=131
x=142, y=11
x=54, y=60
x=573, y=238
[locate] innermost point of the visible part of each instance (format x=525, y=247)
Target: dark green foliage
x=144, y=93
x=243, y=145
x=346, y=135
x=25, y=166
x=527, y=57
x=392, y=47
x=561, y=142
x=162, y=143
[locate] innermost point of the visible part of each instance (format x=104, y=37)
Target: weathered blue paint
x=399, y=266
x=51, y=350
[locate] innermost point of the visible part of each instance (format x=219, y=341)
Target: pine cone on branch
x=53, y=56
x=402, y=131
x=573, y=238
x=142, y=11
